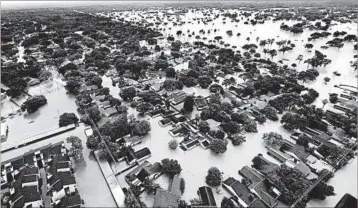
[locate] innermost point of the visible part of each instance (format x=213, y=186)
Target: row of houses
x=40, y=174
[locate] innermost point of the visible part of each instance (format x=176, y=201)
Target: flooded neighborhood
x=179, y=104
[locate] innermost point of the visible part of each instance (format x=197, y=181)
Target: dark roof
x=257, y=203
x=29, y=159
x=66, y=178
x=29, y=178
x=206, y=196
x=300, y=152
x=17, y=164
x=240, y=189
x=347, y=201
x=31, y=171
x=71, y=201
x=61, y=165
x=262, y=189
x=31, y=193
x=142, y=153
x=143, y=174
x=251, y=174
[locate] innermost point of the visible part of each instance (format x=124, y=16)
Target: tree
x=67, y=119
x=45, y=75
x=67, y=67
x=218, y=146
x=173, y=144
x=127, y=94
x=142, y=128
x=76, y=148
x=272, y=139
x=170, y=72
x=272, y=53
x=92, y=113
x=293, y=121
x=189, y=104
x=321, y=191
x=182, y=185
x=231, y=127
x=73, y=85
x=326, y=79
x=33, y=103
x=92, y=142
x=161, y=64
x=204, y=126
x=170, y=167
x=214, y=177
x=204, y=81
x=250, y=127
x=143, y=107
x=257, y=162
x=237, y=139
x=227, y=203
x=303, y=140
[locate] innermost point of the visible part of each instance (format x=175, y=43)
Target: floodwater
x=197, y=161
x=47, y=116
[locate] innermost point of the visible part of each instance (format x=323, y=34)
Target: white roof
x=4, y=127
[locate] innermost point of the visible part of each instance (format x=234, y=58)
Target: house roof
x=165, y=199
x=61, y=165
x=174, y=187
x=300, y=152
x=347, y=201
x=251, y=174
x=71, y=201
x=262, y=189
x=257, y=203
x=31, y=171
x=29, y=178
x=206, y=196
x=240, y=189
x=143, y=174
x=31, y=194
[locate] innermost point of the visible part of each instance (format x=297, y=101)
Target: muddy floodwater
x=195, y=162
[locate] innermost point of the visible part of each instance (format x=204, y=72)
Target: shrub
x=67, y=119
x=214, y=177
x=33, y=103
x=173, y=144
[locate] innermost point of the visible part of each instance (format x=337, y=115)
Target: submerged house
x=170, y=197
x=206, y=197
x=145, y=171
x=137, y=156
x=241, y=194
x=260, y=186
x=25, y=191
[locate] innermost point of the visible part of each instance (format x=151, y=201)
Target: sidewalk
x=111, y=180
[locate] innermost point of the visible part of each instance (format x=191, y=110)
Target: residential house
x=206, y=197
x=170, y=197
x=145, y=171
x=136, y=156
x=241, y=193
x=347, y=201
x=260, y=187
x=25, y=191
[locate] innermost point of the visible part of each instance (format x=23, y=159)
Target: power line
x=102, y=140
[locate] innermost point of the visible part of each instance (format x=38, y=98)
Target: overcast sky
x=43, y=4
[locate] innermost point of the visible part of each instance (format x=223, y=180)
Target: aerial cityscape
x=248, y=104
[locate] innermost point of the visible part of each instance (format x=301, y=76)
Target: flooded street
x=96, y=46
